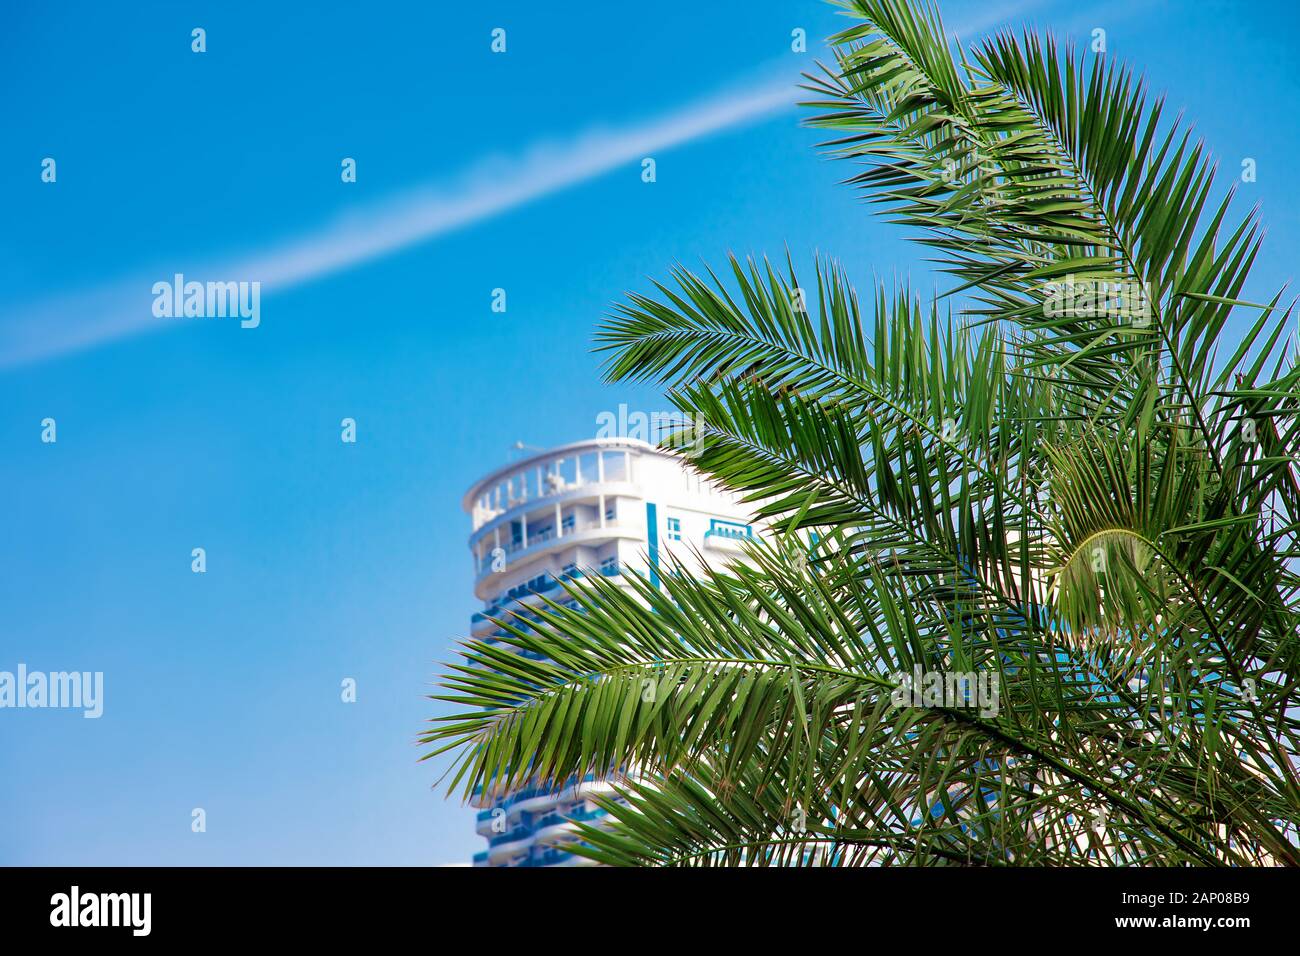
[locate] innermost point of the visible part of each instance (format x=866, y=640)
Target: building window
x=729, y=529
x=674, y=529
x=610, y=565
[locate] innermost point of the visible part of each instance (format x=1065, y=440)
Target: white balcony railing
x=536, y=538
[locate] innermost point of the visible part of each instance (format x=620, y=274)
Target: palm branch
x=1095, y=507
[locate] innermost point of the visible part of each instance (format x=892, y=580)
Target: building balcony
x=547, y=539
x=562, y=827
x=532, y=801
x=539, y=510
x=554, y=857
x=588, y=787
x=502, y=849
x=512, y=836
x=552, y=476
x=591, y=537
x=483, y=823
x=724, y=535
x=525, y=596
x=555, y=833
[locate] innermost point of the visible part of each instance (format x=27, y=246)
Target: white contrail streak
x=490, y=187
x=56, y=326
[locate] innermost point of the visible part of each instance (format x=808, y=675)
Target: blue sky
x=328, y=560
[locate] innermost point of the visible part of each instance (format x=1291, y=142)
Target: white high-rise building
x=602, y=506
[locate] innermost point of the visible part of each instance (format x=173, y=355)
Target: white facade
x=602, y=506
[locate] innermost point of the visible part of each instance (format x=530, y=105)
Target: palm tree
x=1059, y=475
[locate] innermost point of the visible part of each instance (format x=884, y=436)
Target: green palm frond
x=1054, y=476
